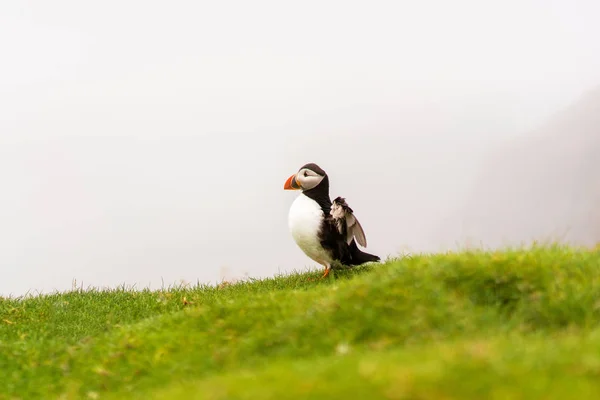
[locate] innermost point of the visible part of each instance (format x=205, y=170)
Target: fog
x=147, y=143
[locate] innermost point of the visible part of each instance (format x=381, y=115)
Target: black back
x=331, y=239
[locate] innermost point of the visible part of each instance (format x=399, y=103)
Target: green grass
x=518, y=324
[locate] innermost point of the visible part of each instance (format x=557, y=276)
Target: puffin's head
x=308, y=177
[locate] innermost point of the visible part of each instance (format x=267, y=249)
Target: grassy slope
x=523, y=324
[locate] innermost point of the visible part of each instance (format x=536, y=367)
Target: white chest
x=305, y=222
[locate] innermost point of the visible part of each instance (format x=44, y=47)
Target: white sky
x=146, y=141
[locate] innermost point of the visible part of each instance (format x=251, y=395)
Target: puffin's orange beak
x=291, y=183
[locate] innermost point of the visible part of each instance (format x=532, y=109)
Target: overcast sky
x=143, y=142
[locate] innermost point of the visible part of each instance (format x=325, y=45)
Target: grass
x=518, y=324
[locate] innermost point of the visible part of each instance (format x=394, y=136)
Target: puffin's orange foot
x=326, y=272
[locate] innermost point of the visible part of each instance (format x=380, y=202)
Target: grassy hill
x=519, y=324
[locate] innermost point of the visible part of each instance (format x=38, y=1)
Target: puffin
x=326, y=231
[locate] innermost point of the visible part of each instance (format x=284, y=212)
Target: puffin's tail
x=360, y=257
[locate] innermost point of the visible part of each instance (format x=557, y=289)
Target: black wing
x=334, y=241
x=338, y=233
x=346, y=222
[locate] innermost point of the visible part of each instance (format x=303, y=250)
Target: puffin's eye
x=305, y=174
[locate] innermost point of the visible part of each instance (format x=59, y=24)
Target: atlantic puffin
x=326, y=231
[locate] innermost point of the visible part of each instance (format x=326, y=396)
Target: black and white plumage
x=325, y=231
x=346, y=223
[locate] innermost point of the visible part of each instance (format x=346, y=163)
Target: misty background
x=148, y=142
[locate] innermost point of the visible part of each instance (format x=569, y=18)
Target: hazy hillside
x=544, y=186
